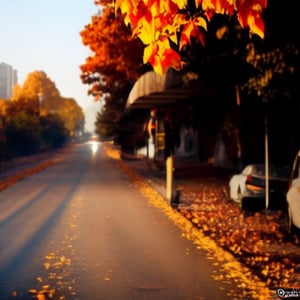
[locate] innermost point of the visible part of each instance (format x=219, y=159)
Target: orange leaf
x=126, y=6
x=191, y=30
x=216, y=6
x=250, y=15
x=149, y=53
x=161, y=56
x=252, y=20
x=171, y=59
x=181, y=3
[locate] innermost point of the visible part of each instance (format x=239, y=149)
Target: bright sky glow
x=43, y=35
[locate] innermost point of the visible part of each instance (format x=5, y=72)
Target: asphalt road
x=79, y=230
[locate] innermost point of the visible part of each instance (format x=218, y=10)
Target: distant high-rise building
x=8, y=78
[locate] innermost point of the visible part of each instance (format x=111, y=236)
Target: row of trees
x=37, y=118
x=249, y=47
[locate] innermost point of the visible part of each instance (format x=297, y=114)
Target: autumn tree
x=271, y=92
x=179, y=34
x=165, y=32
x=35, y=109
x=112, y=68
x=38, y=93
x=23, y=134
x=108, y=118
x=214, y=39
x=4, y=104
x=72, y=115
x=105, y=126
x=116, y=57
x=53, y=133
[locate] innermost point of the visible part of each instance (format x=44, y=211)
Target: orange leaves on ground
x=255, y=239
x=5, y=183
x=257, y=254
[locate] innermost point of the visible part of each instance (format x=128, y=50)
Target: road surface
x=79, y=230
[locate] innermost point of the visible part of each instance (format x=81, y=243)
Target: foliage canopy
x=167, y=26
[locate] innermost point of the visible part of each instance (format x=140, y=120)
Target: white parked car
x=248, y=187
x=293, y=196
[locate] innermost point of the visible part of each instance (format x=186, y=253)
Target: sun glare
x=94, y=146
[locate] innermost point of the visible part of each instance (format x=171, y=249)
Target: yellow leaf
x=181, y=3
x=146, y=33
x=170, y=32
x=41, y=297
x=201, y=22
x=47, y=265
x=179, y=20
x=148, y=52
x=46, y=287
x=125, y=6
x=68, y=262
x=195, y=220
x=158, y=68
x=265, y=272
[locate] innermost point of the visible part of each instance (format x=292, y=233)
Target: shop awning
x=153, y=90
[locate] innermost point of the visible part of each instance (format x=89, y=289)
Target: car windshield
x=275, y=172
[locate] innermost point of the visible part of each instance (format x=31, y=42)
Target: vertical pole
x=147, y=148
x=169, y=157
x=266, y=158
x=156, y=140
x=169, y=177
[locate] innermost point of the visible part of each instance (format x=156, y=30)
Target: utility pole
x=267, y=188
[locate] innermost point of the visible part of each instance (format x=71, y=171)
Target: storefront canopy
x=153, y=90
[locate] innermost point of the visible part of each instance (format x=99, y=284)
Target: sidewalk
x=186, y=171
x=258, y=240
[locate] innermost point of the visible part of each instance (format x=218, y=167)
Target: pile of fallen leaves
x=258, y=240
x=6, y=182
x=16, y=170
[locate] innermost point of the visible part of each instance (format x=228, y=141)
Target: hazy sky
x=43, y=35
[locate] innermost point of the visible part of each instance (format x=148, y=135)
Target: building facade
x=8, y=78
